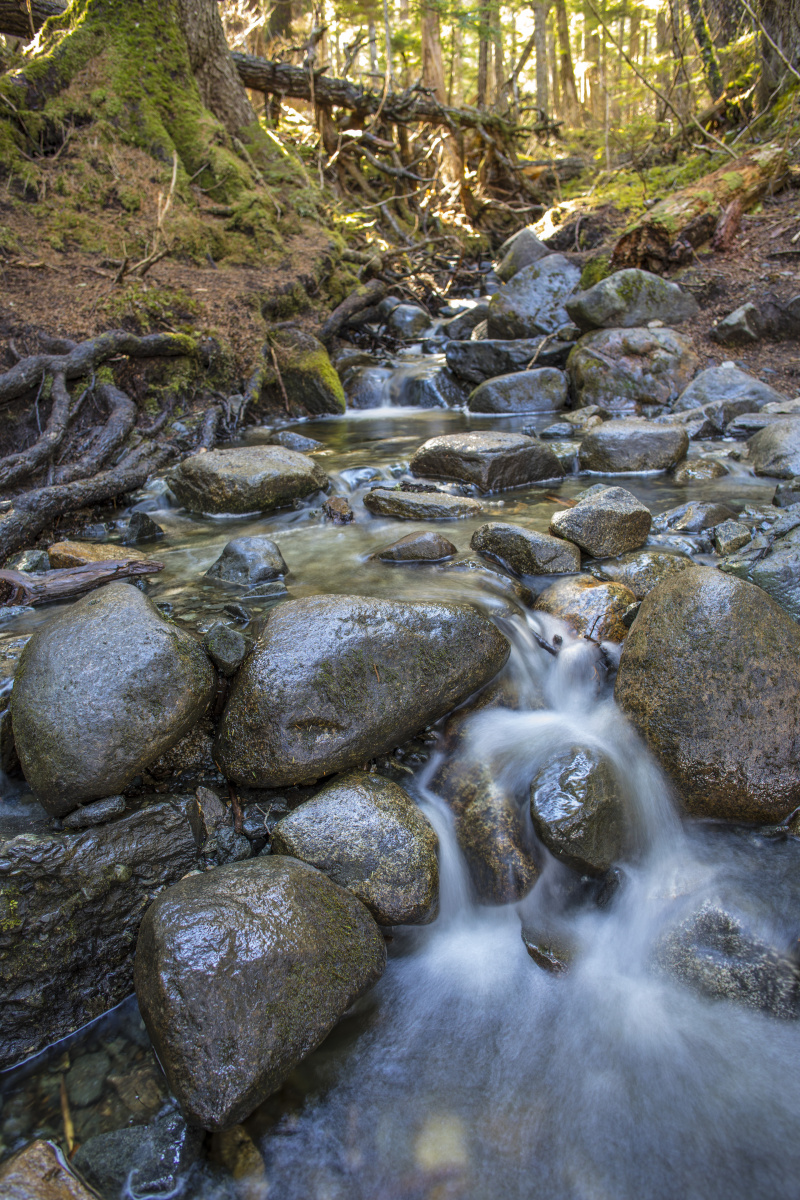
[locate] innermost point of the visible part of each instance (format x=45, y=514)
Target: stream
x=470, y=1072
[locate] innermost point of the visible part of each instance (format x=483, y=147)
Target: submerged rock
x=78, y=554
x=621, y=369
x=590, y=607
x=70, y=901
x=368, y=835
x=492, y=461
x=271, y=949
x=710, y=676
x=335, y=680
x=419, y=506
x=631, y=297
x=100, y=692
x=39, y=1172
x=641, y=570
x=249, y=479
x=533, y=301
x=605, y=523
x=632, y=446
x=525, y=551
x=144, y=1159
x=492, y=835
x=248, y=560
x=543, y=389
x=578, y=811
x=427, y=546
x=698, y=469
x=775, y=450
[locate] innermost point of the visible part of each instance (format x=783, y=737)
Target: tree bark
x=781, y=20
x=432, y=62
x=484, y=19
x=221, y=89
x=568, y=86
x=666, y=234
x=540, y=34
x=706, y=48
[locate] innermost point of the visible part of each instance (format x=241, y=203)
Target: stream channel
x=469, y=1071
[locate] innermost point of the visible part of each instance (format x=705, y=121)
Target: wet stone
x=147, y=1159
x=226, y=647
x=533, y=300
x=78, y=554
x=726, y=384
x=605, y=522
x=694, y=517
x=416, y=547
x=631, y=297
x=419, y=506
x=95, y=814
x=595, y=609
x=742, y=327
x=32, y=562
x=525, y=551
x=632, y=446
x=619, y=369
x=776, y=449
x=521, y=251
x=477, y=360
x=462, y=324
x=86, y=1078
x=730, y=536
x=543, y=389
x=640, y=570
x=407, y=321
x=296, y=441
x=249, y=479
x=698, y=469
x=367, y=834
x=787, y=494
x=338, y=510
x=492, y=461
x=285, y=952
x=578, y=811
x=40, y=1172
x=248, y=560
x=141, y=528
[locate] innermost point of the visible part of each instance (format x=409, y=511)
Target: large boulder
x=407, y=321
x=605, y=523
x=525, y=551
x=579, y=812
x=631, y=297
x=247, y=561
x=710, y=675
x=641, y=570
x=493, y=461
x=543, y=389
x=632, y=446
x=241, y=972
x=308, y=382
x=248, y=479
x=589, y=606
x=475, y=361
x=523, y=249
x=727, y=384
x=620, y=369
x=368, y=835
x=775, y=450
x=81, y=896
x=533, y=301
x=336, y=680
x=420, y=506
x=771, y=562
x=101, y=692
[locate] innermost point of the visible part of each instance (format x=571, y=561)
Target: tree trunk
x=209, y=57
x=432, y=62
x=569, y=90
x=280, y=19
x=497, y=42
x=540, y=31
x=781, y=20
x=666, y=235
x=706, y=48
x=484, y=25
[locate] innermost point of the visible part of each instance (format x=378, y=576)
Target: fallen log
x=669, y=233
x=372, y=294
x=20, y=587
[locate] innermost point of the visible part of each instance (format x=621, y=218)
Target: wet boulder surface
x=367, y=834
x=620, y=369
x=542, y=389
x=533, y=301
x=775, y=450
x=248, y=479
x=271, y=947
x=248, y=560
x=631, y=297
x=101, y=691
x=419, y=506
x=641, y=570
x=525, y=551
x=492, y=461
x=477, y=360
x=769, y=560
x=335, y=680
x=71, y=901
x=579, y=812
x=427, y=546
x=630, y=445
x=727, y=384
x=593, y=608
x=710, y=676
x=604, y=522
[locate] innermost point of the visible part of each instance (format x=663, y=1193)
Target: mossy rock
x=309, y=378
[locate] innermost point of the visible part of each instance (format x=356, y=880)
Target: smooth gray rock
x=226, y=647
x=525, y=551
x=631, y=297
x=742, y=327
x=698, y=469
x=491, y=461
x=693, y=517
x=543, y=389
x=710, y=676
x=772, y=563
x=776, y=449
x=249, y=479
x=291, y=440
x=147, y=1159
x=434, y=389
x=632, y=446
x=478, y=360
x=407, y=321
x=72, y=903
x=641, y=570
x=101, y=692
x=523, y=250
x=241, y=972
x=533, y=301
x=419, y=506
x=336, y=680
x=620, y=369
x=96, y=813
x=726, y=384
x=579, y=812
x=427, y=546
x=367, y=834
x=787, y=494
x=608, y=522
x=248, y=560
x=462, y=325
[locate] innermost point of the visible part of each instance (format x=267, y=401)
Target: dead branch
x=374, y=292
x=112, y=435
x=15, y=467
x=19, y=587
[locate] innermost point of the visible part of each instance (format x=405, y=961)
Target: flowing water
x=469, y=1071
